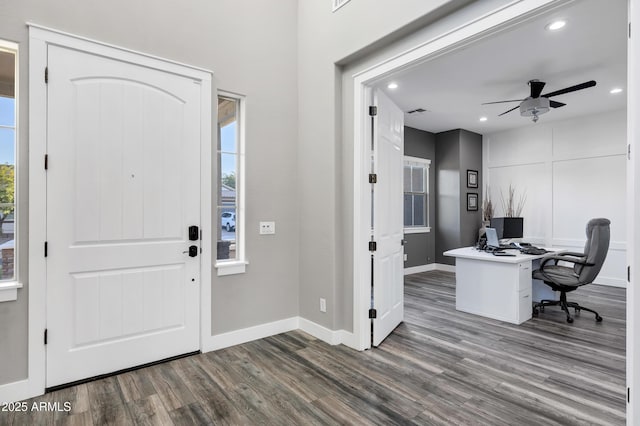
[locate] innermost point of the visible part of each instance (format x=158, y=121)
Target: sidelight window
x=8, y=138
x=230, y=185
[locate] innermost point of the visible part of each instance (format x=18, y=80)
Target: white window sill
x=231, y=268
x=417, y=230
x=9, y=291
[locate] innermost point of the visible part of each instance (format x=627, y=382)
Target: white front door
x=123, y=144
x=388, y=233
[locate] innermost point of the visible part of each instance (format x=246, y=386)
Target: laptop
x=492, y=238
x=493, y=244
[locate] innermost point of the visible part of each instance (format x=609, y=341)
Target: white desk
x=498, y=287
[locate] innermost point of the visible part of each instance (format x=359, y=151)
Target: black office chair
x=586, y=267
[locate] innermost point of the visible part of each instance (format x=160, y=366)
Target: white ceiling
x=592, y=46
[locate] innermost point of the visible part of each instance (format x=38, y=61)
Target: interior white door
x=122, y=189
x=388, y=278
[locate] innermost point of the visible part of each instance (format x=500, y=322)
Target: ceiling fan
x=537, y=104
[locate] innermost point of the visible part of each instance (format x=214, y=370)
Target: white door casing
x=388, y=227
x=123, y=186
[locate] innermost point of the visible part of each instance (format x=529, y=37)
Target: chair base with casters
x=565, y=305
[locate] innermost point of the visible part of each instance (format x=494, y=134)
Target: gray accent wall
x=456, y=152
x=470, y=159
x=420, y=248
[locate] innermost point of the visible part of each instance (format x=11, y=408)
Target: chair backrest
x=595, y=249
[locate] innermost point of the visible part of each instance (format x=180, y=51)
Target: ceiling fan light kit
x=533, y=107
x=537, y=104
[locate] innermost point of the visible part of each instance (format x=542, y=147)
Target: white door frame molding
x=39, y=40
x=462, y=35
x=633, y=213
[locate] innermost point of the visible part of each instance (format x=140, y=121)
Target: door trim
x=39, y=40
x=363, y=81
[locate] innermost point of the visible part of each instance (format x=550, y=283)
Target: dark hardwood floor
x=440, y=367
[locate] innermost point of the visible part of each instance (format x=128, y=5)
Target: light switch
x=267, y=228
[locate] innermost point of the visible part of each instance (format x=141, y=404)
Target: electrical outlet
x=267, y=228
x=323, y=305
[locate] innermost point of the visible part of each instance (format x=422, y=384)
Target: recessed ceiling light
x=615, y=90
x=483, y=118
x=556, y=25
x=393, y=85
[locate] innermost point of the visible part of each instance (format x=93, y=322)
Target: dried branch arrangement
x=512, y=206
x=487, y=206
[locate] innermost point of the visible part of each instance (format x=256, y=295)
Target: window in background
x=230, y=160
x=416, y=194
x=8, y=132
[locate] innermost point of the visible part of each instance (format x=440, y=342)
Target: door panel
x=122, y=189
x=388, y=287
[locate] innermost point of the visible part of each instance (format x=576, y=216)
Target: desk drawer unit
x=496, y=290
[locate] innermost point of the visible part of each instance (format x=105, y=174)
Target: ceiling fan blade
x=555, y=104
x=502, y=102
x=514, y=108
x=571, y=89
x=536, y=88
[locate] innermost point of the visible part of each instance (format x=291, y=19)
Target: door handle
x=193, y=251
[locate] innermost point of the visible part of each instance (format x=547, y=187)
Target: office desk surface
x=472, y=253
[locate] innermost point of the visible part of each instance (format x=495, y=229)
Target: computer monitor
x=507, y=227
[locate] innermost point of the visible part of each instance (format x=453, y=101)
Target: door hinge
x=46, y=249
x=629, y=395
x=373, y=111
x=373, y=246
x=46, y=336
x=46, y=161
x=628, y=151
x=373, y=313
x=46, y=75
x=628, y=273
x=373, y=178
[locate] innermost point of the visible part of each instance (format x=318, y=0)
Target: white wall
x=571, y=171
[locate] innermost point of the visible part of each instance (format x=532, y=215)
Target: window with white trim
x=230, y=184
x=416, y=194
x=8, y=138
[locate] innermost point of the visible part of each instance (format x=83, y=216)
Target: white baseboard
x=420, y=268
x=332, y=337
x=445, y=268
x=16, y=391
x=429, y=267
x=249, y=334
x=611, y=282
x=237, y=337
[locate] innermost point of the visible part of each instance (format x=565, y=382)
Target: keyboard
x=533, y=250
